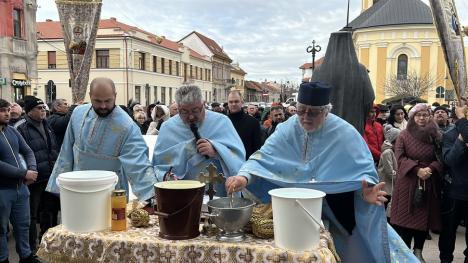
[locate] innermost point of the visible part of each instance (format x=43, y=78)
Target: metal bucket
x=178, y=208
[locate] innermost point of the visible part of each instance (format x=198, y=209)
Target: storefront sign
x=20, y=82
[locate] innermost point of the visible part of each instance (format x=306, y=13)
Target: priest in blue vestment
x=101, y=136
x=318, y=150
x=188, y=142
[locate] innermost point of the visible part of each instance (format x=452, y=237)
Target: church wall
x=378, y=49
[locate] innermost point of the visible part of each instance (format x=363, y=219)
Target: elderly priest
x=322, y=151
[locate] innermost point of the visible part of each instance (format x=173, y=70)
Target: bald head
x=102, y=94
x=101, y=83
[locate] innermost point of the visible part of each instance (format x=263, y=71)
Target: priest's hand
x=204, y=147
x=235, y=183
x=374, y=194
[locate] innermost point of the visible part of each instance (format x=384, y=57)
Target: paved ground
x=430, y=252
x=431, y=249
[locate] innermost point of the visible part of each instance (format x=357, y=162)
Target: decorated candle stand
x=210, y=178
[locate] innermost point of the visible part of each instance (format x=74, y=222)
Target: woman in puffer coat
x=160, y=113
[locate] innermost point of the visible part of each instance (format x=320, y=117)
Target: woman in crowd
x=140, y=119
x=416, y=196
x=398, y=117
x=159, y=114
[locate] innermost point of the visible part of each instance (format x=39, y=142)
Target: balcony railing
x=20, y=47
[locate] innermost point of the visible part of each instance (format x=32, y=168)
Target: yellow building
x=397, y=38
x=144, y=67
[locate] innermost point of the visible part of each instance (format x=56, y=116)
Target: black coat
x=46, y=152
x=59, y=123
x=248, y=129
x=455, y=153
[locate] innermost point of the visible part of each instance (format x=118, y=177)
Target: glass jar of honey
x=119, y=205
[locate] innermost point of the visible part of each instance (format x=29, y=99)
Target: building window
x=102, y=58
x=155, y=63
x=155, y=94
x=440, y=92
x=163, y=65
x=177, y=68
x=138, y=93
x=402, y=70
x=51, y=59
x=163, y=95
x=196, y=72
x=191, y=71
x=141, y=61
x=170, y=67
x=17, y=23
x=209, y=75
x=185, y=72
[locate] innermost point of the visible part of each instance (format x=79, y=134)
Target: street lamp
x=313, y=49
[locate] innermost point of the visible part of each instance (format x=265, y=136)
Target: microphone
x=194, y=129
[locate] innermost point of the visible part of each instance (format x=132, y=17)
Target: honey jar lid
x=118, y=193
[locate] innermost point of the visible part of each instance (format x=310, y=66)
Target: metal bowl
x=229, y=219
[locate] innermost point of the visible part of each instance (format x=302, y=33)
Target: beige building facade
x=238, y=79
x=144, y=67
x=221, y=62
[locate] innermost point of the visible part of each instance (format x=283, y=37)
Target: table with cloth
x=144, y=245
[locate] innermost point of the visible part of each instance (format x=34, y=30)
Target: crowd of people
x=422, y=157
x=413, y=163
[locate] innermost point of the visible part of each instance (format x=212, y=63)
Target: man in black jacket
x=14, y=175
x=41, y=139
x=246, y=126
x=59, y=119
x=455, y=195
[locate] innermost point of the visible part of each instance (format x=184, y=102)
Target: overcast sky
x=267, y=37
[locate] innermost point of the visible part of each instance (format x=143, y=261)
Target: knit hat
x=441, y=108
x=30, y=102
x=314, y=94
x=419, y=107
x=391, y=133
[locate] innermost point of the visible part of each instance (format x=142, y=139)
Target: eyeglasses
x=310, y=113
x=425, y=116
x=39, y=107
x=194, y=111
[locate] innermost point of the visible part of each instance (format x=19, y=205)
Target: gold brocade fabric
x=144, y=245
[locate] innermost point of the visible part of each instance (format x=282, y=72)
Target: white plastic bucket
x=85, y=199
x=297, y=214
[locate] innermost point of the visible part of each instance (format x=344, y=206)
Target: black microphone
x=194, y=129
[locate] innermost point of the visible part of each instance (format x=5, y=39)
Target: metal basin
x=230, y=220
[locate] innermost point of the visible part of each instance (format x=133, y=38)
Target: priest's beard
x=103, y=112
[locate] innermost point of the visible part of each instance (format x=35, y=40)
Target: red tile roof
x=212, y=45
x=53, y=30
x=318, y=62
x=195, y=54
x=253, y=85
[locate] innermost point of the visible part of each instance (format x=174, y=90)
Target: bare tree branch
x=413, y=85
